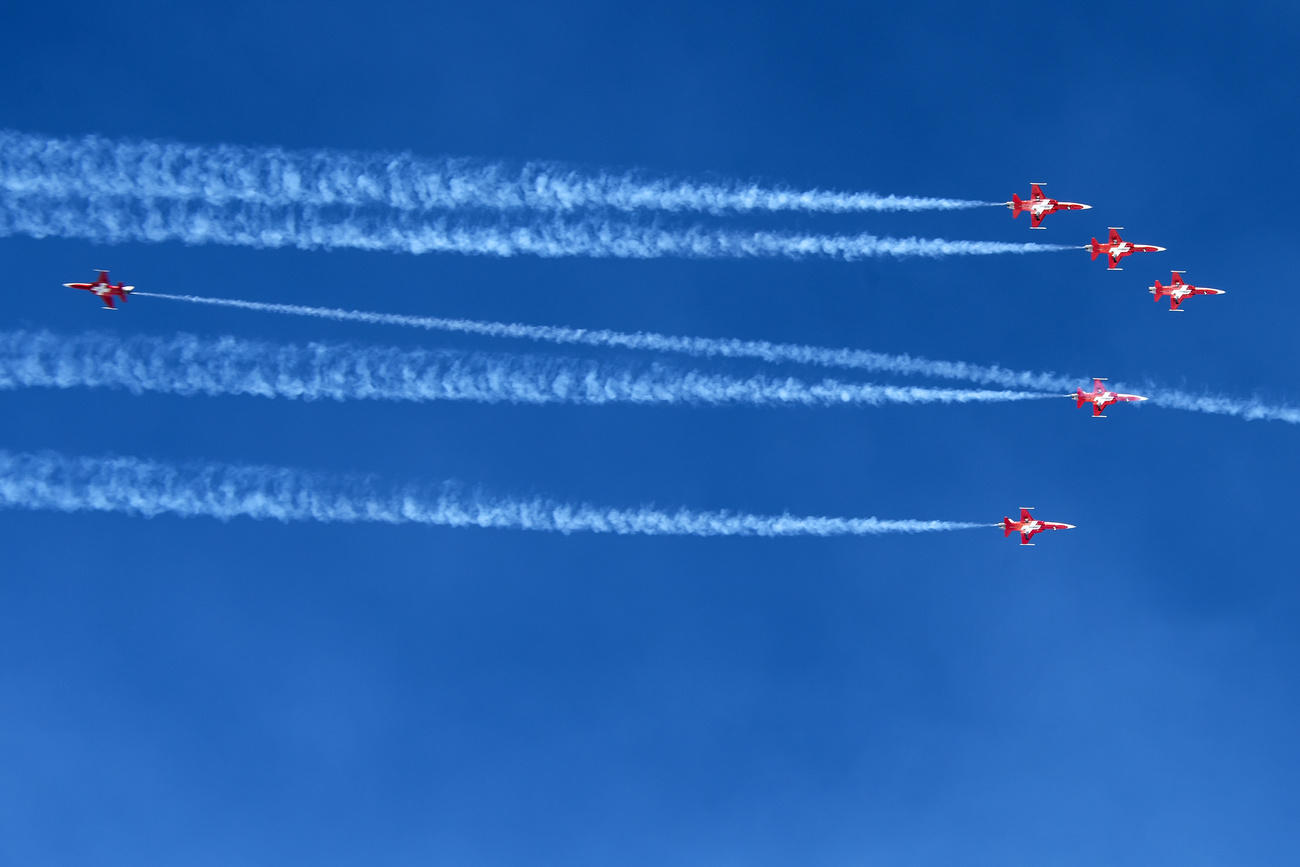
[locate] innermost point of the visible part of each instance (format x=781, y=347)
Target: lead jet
x=105, y=290
x=1117, y=248
x=1028, y=525
x=1178, y=292
x=1039, y=206
x=1100, y=397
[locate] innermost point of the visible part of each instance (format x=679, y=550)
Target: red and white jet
x=1028, y=525
x=1178, y=291
x=1117, y=248
x=105, y=290
x=1100, y=397
x=1039, y=206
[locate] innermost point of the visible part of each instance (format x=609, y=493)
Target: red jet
x=1028, y=525
x=1100, y=397
x=1040, y=206
x=1179, y=291
x=1117, y=248
x=104, y=289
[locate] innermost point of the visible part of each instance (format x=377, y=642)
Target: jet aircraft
x=1117, y=248
x=1028, y=525
x=1039, y=206
x=1178, y=292
x=1100, y=397
x=105, y=290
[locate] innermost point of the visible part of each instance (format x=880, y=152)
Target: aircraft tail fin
x=1079, y=399
x=1006, y=527
x=1096, y=249
x=1016, y=205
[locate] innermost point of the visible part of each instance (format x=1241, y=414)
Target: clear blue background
x=252, y=693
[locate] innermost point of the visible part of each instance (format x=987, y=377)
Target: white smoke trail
x=774, y=353
x=72, y=167
x=1249, y=409
x=699, y=347
x=50, y=481
x=189, y=365
x=118, y=220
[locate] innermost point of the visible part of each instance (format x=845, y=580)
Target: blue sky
x=196, y=692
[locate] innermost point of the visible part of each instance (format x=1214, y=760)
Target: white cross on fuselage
x=1181, y=293
x=1040, y=207
x=1099, y=399
x=1030, y=526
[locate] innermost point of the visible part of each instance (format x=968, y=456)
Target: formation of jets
x=1115, y=249
x=1038, y=206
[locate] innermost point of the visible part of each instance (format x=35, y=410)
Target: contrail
x=50, y=481
x=71, y=167
x=699, y=347
x=773, y=353
x=189, y=365
x=1248, y=409
x=116, y=220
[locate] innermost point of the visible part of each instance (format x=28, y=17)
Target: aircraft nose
x=1156, y=249
x=1085, y=207
x=1068, y=527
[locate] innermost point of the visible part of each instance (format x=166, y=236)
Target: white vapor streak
x=71, y=167
x=699, y=347
x=188, y=365
x=774, y=353
x=133, y=486
x=118, y=220
x=1249, y=409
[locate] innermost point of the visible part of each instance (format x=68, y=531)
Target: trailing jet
x=1117, y=248
x=1100, y=397
x=1178, y=292
x=104, y=289
x=1028, y=525
x=1039, y=206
